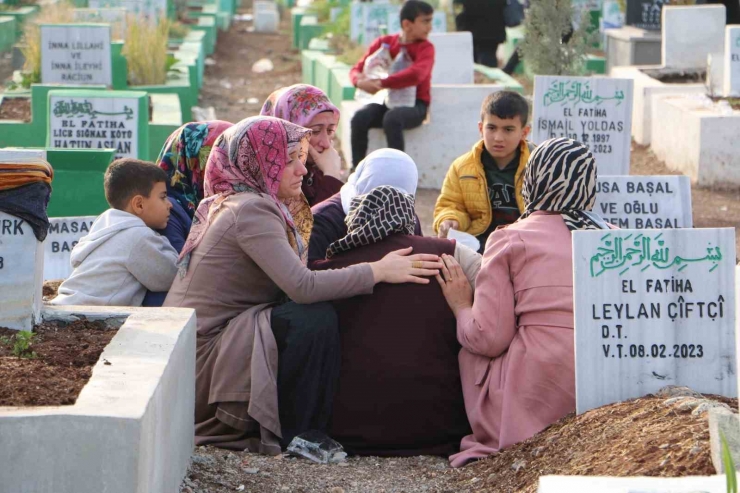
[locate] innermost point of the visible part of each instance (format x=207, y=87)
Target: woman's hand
x=399, y=267
x=328, y=161
x=455, y=286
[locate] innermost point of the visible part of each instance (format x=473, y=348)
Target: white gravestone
x=653, y=308
x=64, y=234
x=76, y=54
x=21, y=268
x=375, y=16
x=594, y=111
x=453, y=58
x=15, y=155
x=732, y=61
x=691, y=33
x=94, y=123
x=596, y=484
x=266, y=17
x=153, y=9
x=644, y=202
x=116, y=17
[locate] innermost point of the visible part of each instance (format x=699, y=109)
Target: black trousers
x=309, y=359
x=393, y=122
x=484, y=53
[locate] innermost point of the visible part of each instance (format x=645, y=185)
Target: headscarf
x=25, y=188
x=561, y=177
x=298, y=104
x=184, y=158
x=381, y=167
x=251, y=157
x=374, y=216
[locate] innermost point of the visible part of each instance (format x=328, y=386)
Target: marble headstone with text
x=645, y=14
x=15, y=155
x=644, y=202
x=64, y=234
x=21, y=269
x=594, y=111
x=153, y=9
x=99, y=120
x=76, y=54
x=600, y=484
x=116, y=17
x=732, y=61
x=653, y=308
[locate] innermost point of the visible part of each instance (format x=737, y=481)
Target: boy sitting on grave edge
x=122, y=256
x=483, y=187
x=416, y=23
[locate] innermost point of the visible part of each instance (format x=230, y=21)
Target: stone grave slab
x=21, y=268
x=76, y=54
x=64, y=234
x=100, y=120
x=115, y=16
x=266, y=17
x=13, y=155
x=592, y=484
x=653, y=308
x=732, y=61
x=596, y=111
x=453, y=58
x=690, y=34
x=147, y=8
x=644, y=202
x=645, y=14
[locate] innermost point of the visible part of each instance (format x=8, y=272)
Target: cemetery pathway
x=230, y=86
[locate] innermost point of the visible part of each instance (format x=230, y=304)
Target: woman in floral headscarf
x=309, y=107
x=266, y=367
x=183, y=158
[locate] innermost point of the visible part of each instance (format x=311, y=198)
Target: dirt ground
x=62, y=364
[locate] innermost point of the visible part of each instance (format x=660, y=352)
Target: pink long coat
x=517, y=361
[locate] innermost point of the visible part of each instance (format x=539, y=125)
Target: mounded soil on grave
x=65, y=356
x=15, y=109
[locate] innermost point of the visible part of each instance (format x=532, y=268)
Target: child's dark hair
x=411, y=9
x=128, y=177
x=505, y=105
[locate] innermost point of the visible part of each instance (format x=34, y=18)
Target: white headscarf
x=382, y=167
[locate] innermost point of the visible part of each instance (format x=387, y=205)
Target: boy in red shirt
x=416, y=24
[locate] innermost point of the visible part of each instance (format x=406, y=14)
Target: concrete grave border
x=131, y=429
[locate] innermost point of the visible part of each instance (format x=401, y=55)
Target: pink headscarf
x=298, y=104
x=251, y=157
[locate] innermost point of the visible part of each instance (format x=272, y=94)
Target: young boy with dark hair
x=483, y=187
x=122, y=256
x=416, y=24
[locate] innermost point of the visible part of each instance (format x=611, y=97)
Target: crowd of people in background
x=320, y=305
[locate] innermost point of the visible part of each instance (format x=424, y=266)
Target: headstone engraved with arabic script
x=644, y=202
x=95, y=123
x=653, y=308
x=76, y=54
x=645, y=14
x=594, y=111
x=152, y=9
x=21, y=268
x=732, y=61
x=64, y=234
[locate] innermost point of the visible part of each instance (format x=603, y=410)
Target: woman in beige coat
x=266, y=367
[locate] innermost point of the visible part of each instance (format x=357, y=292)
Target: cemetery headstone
x=586, y=484
x=611, y=15
x=691, y=33
x=355, y=21
x=644, y=202
x=594, y=111
x=76, y=54
x=64, y=234
x=645, y=14
x=732, y=61
x=100, y=120
x=653, y=308
x=116, y=17
x=453, y=58
x=374, y=17
x=153, y=9
x=17, y=155
x=21, y=268
x=266, y=17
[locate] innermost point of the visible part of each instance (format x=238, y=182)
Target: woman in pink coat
x=517, y=361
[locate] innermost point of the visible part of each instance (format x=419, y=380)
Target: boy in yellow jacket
x=483, y=187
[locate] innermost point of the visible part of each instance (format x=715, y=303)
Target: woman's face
x=323, y=127
x=290, y=183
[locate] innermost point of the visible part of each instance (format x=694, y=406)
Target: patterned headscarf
x=251, y=157
x=298, y=104
x=184, y=158
x=374, y=216
x=561, y=177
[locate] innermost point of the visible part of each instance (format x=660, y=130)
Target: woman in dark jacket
x=485, y=20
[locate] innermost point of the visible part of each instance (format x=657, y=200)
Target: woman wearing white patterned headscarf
x=517, y=361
